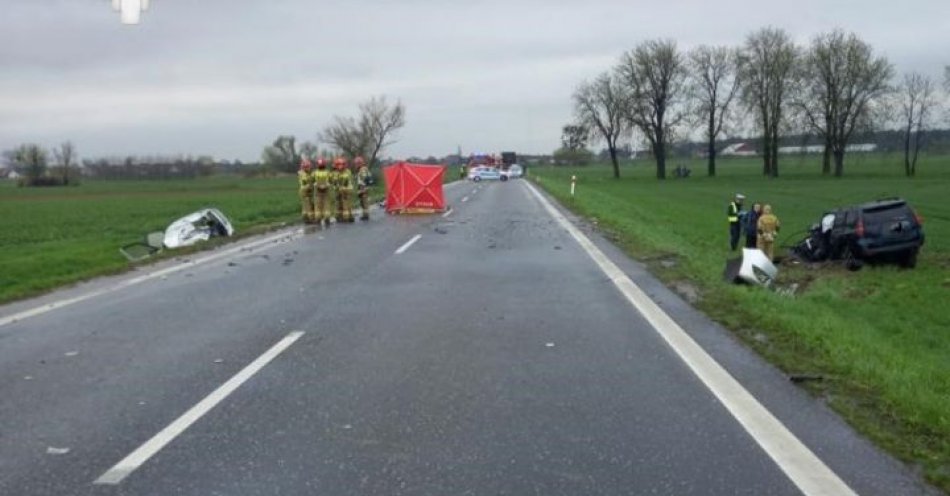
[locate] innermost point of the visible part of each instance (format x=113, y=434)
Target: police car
x=486, y=173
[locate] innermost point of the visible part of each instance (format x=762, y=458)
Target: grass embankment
x=879, y=336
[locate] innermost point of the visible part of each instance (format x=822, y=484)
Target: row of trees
x=833, y=89
x=154, y=167
x=33, y=162
x=365, y=135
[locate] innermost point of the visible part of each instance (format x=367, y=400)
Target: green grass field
x=879, y=336
x=54, y=236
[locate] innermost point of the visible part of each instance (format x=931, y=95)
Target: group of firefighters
x=760, y=225
x=316, y=186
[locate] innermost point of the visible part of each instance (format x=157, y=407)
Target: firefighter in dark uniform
x=321, y=183
x=734, y=216
x=363, y=180
x=305, y=180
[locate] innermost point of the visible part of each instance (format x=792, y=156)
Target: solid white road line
x=798, y=462
x=33, y=312
x=409, y=243
x=141, y=455
x=447, y=213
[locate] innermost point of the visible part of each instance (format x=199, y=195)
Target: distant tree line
x=33, y=163
x=834, y=90
x=154, y=167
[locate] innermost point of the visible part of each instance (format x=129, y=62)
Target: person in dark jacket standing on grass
x=751, y=225
x=733, y=215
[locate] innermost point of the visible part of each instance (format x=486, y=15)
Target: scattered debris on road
x=799, y=378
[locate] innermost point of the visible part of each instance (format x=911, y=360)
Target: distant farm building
x=856, y=148
x=738, y=150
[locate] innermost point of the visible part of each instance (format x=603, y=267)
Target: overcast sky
x=225, y=77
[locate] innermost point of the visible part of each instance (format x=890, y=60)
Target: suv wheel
x=909, y=261
x=852, y=262
x=477, y=178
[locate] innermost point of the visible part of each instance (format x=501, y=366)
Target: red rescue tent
x=414, y=188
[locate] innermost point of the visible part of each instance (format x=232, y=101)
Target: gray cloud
x=225, y=77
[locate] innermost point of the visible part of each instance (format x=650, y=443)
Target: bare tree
x=599, y=106
x=309, y=150
x=282, y=155
x=715, y=83
x=380, y=122
x=65, y=154
x=655, y=74
x=573, y=150
x=32, y=160
x=767, y=69
x=368, y=134
x=946, y=86
x=917, y=99
x=346, y=135
x=574, y=136
x=843, y=82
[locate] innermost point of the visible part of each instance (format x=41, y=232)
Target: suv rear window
x=891, y=213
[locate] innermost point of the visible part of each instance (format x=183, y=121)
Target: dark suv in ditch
x=879, y=231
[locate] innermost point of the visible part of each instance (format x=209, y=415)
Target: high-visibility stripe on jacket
x=733, y=213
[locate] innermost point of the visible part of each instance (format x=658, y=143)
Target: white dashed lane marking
x=141, y=455
x=402, y=249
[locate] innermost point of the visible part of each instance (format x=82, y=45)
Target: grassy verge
x=878, y=337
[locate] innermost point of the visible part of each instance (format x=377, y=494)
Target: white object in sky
x=130, y=10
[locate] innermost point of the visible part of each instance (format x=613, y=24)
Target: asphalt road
x=482, y=352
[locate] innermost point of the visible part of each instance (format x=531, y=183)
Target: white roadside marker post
x=573, y=182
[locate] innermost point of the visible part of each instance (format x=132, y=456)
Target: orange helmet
x=359, y=162
x=321, y=163
x=305, y=163
x=339, y=163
